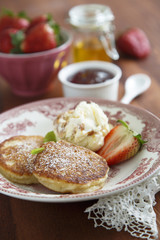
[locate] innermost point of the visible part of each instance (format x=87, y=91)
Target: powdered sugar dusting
x=16, y=153
x=66, y=161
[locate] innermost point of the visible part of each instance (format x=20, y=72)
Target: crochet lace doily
x=131, y=210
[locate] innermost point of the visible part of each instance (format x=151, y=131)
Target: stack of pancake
x=61, y=166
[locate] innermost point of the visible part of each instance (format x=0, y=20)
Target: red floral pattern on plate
x=16, y=128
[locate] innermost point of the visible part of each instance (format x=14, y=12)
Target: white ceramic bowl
x=106, y=90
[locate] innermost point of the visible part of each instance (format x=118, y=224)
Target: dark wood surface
x=20, y=219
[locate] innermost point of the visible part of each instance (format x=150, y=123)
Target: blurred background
x=127, y=14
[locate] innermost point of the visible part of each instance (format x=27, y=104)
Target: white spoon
x=134, y=86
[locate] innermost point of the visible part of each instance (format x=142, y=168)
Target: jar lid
x=90, y=15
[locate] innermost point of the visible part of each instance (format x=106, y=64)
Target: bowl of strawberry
x=31, y=52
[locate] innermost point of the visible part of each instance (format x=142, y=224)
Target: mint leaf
x=37, y=150
x=50, y=136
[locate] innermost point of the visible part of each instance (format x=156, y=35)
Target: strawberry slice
x=120, y=144
x=40, y=38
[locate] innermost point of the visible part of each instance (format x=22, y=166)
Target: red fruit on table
x=134, y=42
x=120, y=144
x=40, y=38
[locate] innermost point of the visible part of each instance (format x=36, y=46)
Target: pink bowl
x=30, y=74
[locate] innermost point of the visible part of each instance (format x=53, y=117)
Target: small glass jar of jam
x=94, y=33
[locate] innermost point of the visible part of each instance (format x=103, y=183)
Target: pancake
x=16, y=160
x=67, y=168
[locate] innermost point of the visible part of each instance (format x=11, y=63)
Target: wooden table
x=20, y=219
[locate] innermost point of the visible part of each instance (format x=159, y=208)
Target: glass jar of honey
x=94, y=33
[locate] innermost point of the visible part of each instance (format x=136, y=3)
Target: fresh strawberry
x=6, y=40
x=40, y=19
x=120, y=144
x=10, y=40
x=46, y=18
x=40, y=38
x=13, y=22
x=134, y=42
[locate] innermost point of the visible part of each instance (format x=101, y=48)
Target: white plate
x=37, y=117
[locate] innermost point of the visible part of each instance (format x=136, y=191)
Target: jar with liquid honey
x=93, y=33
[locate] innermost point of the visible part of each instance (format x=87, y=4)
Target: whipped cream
x=86, y=126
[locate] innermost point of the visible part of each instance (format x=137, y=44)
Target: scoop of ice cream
x=86, y=126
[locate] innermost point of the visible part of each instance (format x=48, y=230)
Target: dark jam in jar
x=91, y=76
